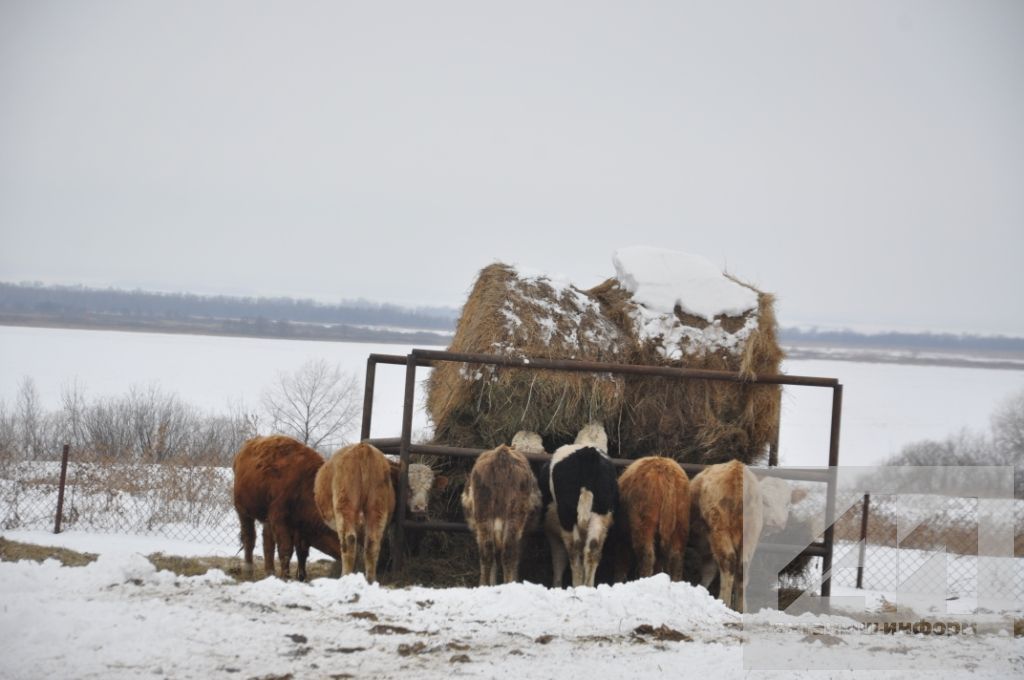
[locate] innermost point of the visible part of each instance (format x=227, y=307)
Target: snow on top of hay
x=558, y=312
x=660, y=280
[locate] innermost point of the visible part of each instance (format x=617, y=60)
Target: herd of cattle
x=343, y=506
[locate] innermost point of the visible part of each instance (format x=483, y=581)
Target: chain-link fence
x=184, y=500
x=191, y=501
x=940, y=548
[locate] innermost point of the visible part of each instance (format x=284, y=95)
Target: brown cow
x=501, y=499
x=274, y=484
x=654, y=502
x=355, y=493
x=726, y=520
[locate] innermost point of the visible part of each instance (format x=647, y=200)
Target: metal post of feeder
x=830, y=496
x=403, y=474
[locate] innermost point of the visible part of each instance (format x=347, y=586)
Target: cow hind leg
x=362, y=536
x=559, y=561
x=485, y=544
x=269, y=545
x=559, y=557
x=248, y=536
x=574, y=546
x=510, y=553
x=597, y=532
x=284, y=548
x=623, y=559
x=643, y=547
x=375, y=528
x=347, y=539
x=674, y=564
x=727, y=557
x=302, y=554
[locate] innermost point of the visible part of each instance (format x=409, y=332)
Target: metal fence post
x=60, y=489
x=403, y=475
x=371, y=376
x=863, y=540
x=830, y=493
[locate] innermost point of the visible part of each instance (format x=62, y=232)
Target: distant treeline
x=78, y=306
x=78, y=301
x=945, y=342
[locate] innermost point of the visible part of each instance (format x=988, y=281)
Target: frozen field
x=885, y=406
x=121, y=618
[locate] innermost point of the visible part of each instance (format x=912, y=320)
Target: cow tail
x=367, y=479
x=667, y=517
x=584, y=507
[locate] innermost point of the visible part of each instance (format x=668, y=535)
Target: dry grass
x=443, y=563
x=13, y=551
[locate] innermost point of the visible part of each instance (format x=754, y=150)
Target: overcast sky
x=862, y=160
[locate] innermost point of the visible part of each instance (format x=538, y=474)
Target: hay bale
x=691, y=421
x=518, y=316
x=697, y=421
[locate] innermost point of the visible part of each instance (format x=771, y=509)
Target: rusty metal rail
x=403, y=446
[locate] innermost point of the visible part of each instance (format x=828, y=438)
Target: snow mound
x=661, y=279
x=525, y=608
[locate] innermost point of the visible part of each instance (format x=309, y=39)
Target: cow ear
x=440, y=483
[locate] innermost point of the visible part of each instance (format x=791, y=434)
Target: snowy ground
x=119, y=617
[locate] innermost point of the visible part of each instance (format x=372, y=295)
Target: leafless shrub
x=316, y=404
x=145, y=462
x=1004, y=445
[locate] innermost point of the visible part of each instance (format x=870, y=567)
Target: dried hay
x=516, y=316
x=695, y=421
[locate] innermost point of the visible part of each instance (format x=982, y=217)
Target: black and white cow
x=580, y=493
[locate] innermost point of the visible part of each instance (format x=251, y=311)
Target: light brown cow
x=728, y=510
x=355, y=493
x=273, y=483
x=501, y=500
x=654, y=511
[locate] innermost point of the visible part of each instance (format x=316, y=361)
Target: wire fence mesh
x=191, y=501
x=941, y=550
x=182, y=500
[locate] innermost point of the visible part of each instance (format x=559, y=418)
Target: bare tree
x=1008, y=428
x=70, y=421
x=30, y=419
x=316, y=404
x=8, y=433
x=1008, y=437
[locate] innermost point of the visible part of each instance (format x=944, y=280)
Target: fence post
x=60, y=489
x=863, y=540
x=830, y=493
x=398, y=545
x=371, y=377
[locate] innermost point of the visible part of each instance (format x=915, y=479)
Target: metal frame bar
x=404, y=447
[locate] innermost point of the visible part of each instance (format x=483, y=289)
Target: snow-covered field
x=885, y=406
x=121, y=618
